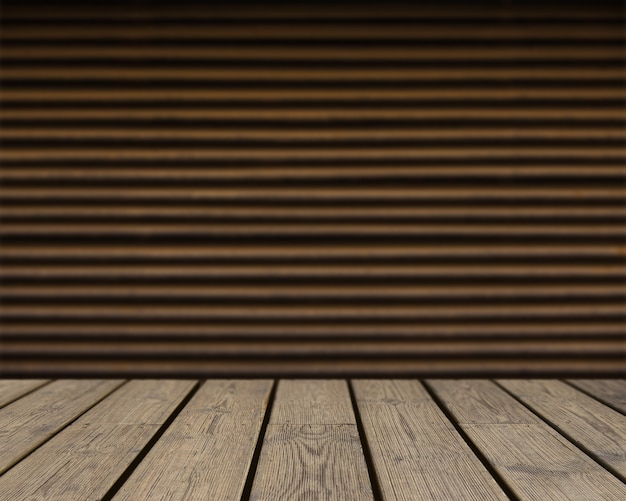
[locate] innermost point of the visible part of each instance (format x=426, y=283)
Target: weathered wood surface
x=312, y=448
x=12, y=389
x=311, y=439
x=35, y=418
x=416, y=451
x=533, y=459
x=85, y=460
x=610, y=391
x=207, y=450
x=601, y=431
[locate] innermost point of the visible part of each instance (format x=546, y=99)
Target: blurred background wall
x=312, y=189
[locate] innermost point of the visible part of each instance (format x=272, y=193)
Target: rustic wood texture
x=312, y=448
x=206, y=452
x=35, y=418
x=165, y=439
x=85, y=459
x=253, y=191
x=599, y=430
x=609, y=391
x=416, y=451
x=534, y=460
x=12, y=389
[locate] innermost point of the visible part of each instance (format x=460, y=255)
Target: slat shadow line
x=564, y=434
x=22, y=395
x=155, y=438
x=69, y=423
x=254, y=463
x=474, y=448
x=367, y=453
x=595, y=397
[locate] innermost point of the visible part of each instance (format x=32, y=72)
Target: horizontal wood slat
x=313, y=190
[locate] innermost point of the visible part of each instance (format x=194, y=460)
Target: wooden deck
x=312, y=439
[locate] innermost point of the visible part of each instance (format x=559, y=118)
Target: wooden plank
x=174, y=346
x=314, y=194
x=246, y=212
x=361, y=312
x=173, y=229
x=321, y=114
x=85, y=459
x=207, y=451
x=284, y=53
x=334, y=292
x=162, y=73
x=416, y=451
x=594, y=426
x=87, y=330
x=495, y=12
x=312, y=447
x=29, y=422
x=609, y=391
x=532, y=458
x=12, y=389
x=431, y=94
x=297, y=136
x=97, y=271
x=299, y=154
x=334, y=30
x=461, y=366
x=314, y=252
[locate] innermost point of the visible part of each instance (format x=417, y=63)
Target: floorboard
x=312, y=448
x=416, y=451
x=610, y=391
x=207, y=450
x=533, y=459
x=85, y=460
x=12, y=389
x=35, y=418
x=332, y=439
x=601, y=431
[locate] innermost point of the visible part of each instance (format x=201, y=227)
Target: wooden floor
x=312, y=439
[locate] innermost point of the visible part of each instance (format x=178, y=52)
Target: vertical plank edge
x=153, y=440
x=567, y=436
x=508, y=490
x=247, y=488
x=367, y=453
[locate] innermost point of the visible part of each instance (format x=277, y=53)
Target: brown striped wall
x=313, y=190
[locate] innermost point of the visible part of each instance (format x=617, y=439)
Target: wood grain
x=533, y=459
x=207, y=450
x=32, y=420
x=312, y=448
x=609, y=391
x=600, y=430
x=416, y=451
x=84, y=460
x=12, y=389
